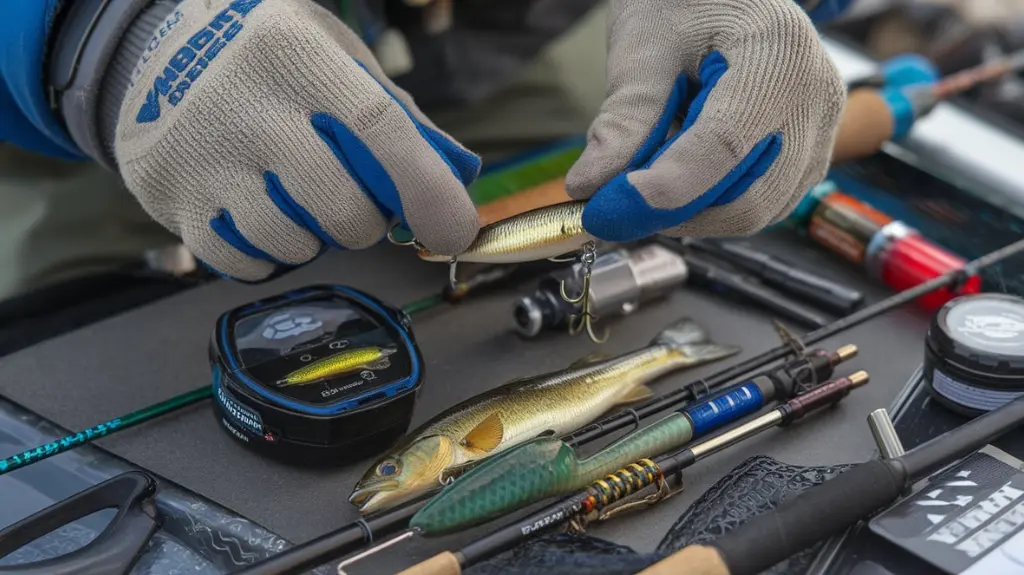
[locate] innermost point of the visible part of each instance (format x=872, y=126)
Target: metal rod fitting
x=885, y=435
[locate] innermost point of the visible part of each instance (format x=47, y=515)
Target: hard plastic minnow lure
x=538, y=234
x=371, y=357
x=544, y=233
x=550, y=404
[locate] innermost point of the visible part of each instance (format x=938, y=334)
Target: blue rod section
x=724, y=408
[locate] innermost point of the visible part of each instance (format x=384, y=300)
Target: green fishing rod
x=91, y=434
x=474, y=285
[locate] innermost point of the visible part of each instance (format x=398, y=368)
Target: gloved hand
x=759, y=99
x=262, y=130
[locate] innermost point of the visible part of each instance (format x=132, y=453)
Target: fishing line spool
x=317, y=375
x=974, y=353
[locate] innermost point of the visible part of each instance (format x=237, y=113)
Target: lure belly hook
x=585, y=319
x=544, y=233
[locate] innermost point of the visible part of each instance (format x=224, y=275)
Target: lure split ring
x=452, y=263
x=397, y=242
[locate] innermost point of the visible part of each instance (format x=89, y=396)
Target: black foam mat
x=155, y=352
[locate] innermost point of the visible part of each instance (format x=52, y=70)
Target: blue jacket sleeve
x=25, y=117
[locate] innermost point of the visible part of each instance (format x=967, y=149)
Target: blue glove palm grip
x=362, y=166
x=618, y=212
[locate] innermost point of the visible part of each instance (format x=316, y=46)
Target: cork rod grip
x=445, y=563
x=692, y=560
x=867, y=123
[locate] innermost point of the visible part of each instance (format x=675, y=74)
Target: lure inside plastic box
x=318, y=375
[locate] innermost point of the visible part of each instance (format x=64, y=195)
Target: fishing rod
x=829, y=508
x=365, y=531
x=669, y=400
x=964, y=80
x=874, y=116
x=481, y=281
x=632, y=479
x=91, y=434
x=798, y=375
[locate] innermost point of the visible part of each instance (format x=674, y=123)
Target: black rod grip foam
x=811, y=516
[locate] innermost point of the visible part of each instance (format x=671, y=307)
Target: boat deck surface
x=152, y=353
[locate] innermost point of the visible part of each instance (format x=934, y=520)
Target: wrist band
x=82, y=49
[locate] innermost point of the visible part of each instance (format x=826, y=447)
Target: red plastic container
x=902, y=258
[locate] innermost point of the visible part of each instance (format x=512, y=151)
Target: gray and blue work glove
x=262, y=131
x=759, y=101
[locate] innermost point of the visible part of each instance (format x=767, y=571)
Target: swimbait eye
x=387, y=469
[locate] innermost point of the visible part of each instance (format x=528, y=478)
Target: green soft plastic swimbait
x=536, y=470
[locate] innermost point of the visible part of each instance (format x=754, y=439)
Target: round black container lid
x=982, y=333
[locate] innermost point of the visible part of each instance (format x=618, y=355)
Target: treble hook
x=585, y=319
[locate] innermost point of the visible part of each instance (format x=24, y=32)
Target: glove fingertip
x=448, y=226
x=456, y=239
x=462, y=229
x=626, y=137
x=909, y=69
x=586, y=176
x=619, y=213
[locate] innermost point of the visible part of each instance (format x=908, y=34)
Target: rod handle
x=691, y=560
x=811, y=516
x=867, y=123
x=444, y=563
